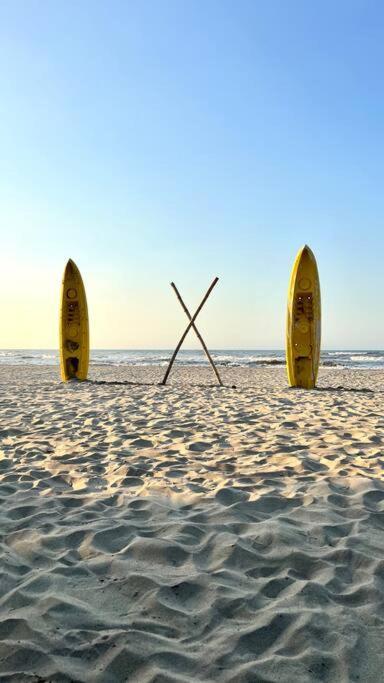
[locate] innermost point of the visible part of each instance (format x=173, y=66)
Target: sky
x=157, y=140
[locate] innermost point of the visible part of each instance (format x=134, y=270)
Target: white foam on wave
x=228, y=358
x=365, y=359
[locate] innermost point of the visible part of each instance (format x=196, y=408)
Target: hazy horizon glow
x=166, y=141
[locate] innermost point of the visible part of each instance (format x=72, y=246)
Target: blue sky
x=156, y=140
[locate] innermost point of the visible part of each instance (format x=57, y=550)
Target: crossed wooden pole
x=192, y=324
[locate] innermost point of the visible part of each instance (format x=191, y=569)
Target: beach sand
x=191, y=533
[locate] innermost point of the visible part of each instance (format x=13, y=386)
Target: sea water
x=230, y=357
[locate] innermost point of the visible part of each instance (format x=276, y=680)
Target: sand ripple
x=191, y=533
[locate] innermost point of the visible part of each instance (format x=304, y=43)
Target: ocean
x=231, y=357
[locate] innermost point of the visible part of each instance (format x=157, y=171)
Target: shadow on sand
x=341, y=390
x=156, y=384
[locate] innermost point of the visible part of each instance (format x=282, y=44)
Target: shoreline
x=271, y=377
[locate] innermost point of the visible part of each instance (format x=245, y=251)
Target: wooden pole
x=214, y=368
x=192, y=320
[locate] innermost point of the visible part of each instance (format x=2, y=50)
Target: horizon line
x=229, y=348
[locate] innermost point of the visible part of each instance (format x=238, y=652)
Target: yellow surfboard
x=303, y=321
x=74, y=329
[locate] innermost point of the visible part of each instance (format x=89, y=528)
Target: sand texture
x=191, y=533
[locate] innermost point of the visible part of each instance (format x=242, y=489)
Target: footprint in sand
x=199, y=446
x=141, y=443
x=314, y=465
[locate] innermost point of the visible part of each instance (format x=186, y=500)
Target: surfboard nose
x=71, y=266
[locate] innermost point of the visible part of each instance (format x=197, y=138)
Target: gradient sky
x=183, y=139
